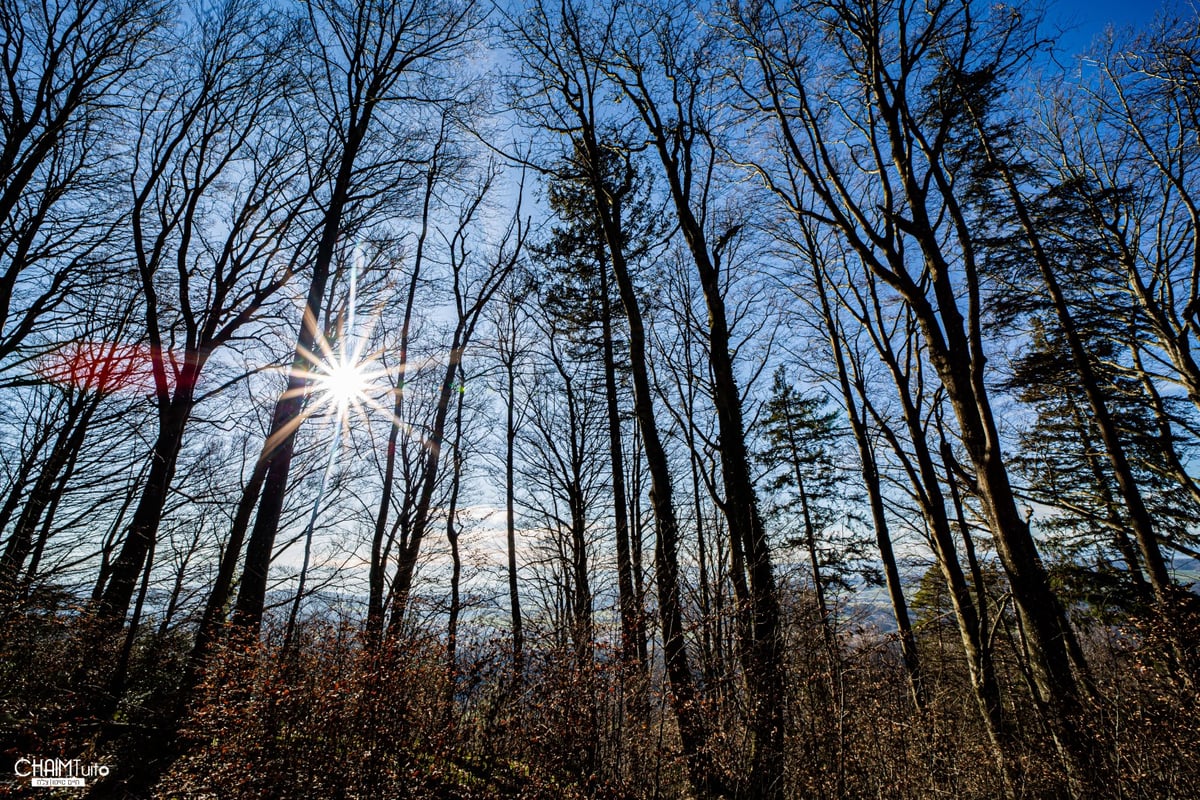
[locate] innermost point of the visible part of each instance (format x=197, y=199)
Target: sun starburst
x=341, y=377
x=345, y=380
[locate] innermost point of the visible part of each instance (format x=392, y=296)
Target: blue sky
x=1083, y=20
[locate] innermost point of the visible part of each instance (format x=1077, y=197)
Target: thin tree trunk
x=455, y=556
x=510, y=518
x=469, y=311
x=218, y=598
x=1121, y=541
x=47, y=522
x=810, y=545
x=24, y=472
x=377, y=578
x=42, y=495
x=285, y=421
x=289, y=635
x=581, y=594
x=636, y=541
x=871, y=480
x=980, y=665
x=763, y=645
x=110, y=539
x=709, y=665
x=120, y=674
x=927, y=487
x=402, y=585
x=895, y=588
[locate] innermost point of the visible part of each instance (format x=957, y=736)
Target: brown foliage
x=333, y=718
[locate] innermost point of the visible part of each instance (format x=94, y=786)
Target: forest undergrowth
x=333, y=717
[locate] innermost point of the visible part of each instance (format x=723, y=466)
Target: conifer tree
x=800, y=456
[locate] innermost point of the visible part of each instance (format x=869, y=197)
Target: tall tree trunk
x=285, y=421
x=693, y=731
x=510, y=517
x=218, y=597
x=927, y=488
x=30, y=454
x=628, y=602
x=468, y=311
x=911, y=208
x=378, y=567
x=143, y=528
x=455, y=555
x=956, y=350
x=277, y=461
x=765, y=668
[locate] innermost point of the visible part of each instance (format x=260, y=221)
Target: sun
x=343, y=381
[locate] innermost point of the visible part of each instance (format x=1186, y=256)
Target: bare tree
x=206, y=257
x=913, y=449
x=854, y=399
x=67, y=65
x=1174, y=603
x=1138, y=177
x=81, y=376
x=440, y=167
x=510, y=323
x=889, y=192
x=666, y=70
x=368, y=57
x=562, y=53
x=474, y=284
x=565, y=466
